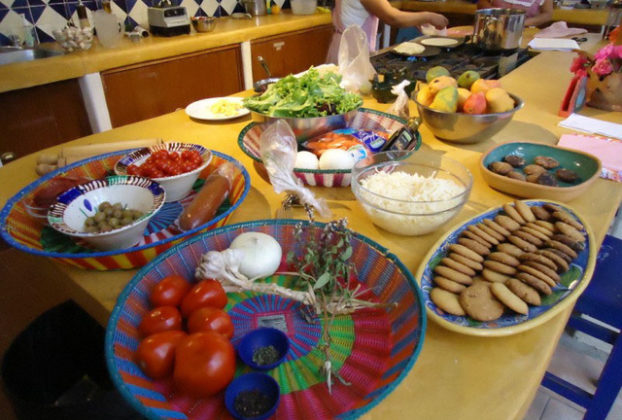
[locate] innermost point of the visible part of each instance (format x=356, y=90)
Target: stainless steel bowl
x=498, y=29
x=459, y=127
x=204, y=24
x=305, y=128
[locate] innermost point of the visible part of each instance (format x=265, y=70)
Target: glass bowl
x=392, y=208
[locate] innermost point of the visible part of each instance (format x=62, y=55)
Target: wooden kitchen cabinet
x=292, y=52
x=42, y=116
x=146, y=90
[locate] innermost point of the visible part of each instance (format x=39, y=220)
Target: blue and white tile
x=191, y=7
x=209, y=7
x=138, y=13
x=49, y=21
x=228, y=5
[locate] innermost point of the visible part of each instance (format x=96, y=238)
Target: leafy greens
x=310, y=95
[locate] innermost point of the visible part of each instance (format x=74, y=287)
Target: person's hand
x=438, y=21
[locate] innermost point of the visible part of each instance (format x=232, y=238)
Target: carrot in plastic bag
x=214, y=192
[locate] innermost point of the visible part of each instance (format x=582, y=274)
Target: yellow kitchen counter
x=455, y=376
x=228, y=31
x=573, y=16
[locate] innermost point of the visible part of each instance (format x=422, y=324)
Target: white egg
x=336, y=159
x=306, y=160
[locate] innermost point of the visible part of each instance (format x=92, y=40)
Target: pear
x=467, y=78
x=435, y=72
x=446, y=100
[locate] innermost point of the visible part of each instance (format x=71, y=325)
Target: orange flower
x=614, y=35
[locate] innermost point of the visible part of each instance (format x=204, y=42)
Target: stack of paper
x=592, y=125
x=549, y=44
x=609, y=151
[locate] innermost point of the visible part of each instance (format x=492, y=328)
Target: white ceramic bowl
x=404, y=216
x=71, y=209
x=178, y=186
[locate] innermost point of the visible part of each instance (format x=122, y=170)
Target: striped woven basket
x=373, y=350
x=22, y=231
x=364, y=119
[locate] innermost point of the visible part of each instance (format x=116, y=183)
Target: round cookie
x=509, y=299
x=511, y=249
x=504, y=258
x=544, y=269
x=540, y=259
x=546, y=162
x=528, y=237
x=577, y=246
x=563, y=248
x=541, y=229
x=524, y=291
x=523, y=268
x=535, y=232
x=564, y=256
x=470, y=235
x=500, y=267
x=552, y=207
x=450, y=286
x=466, y=252
x=534, y=282
x=507, y=222
x=494, y=276
x=474, y=246
x=466, y=261
x=570, y=231
x=497, y=227
x=545, y=224
x=560, y=264
x=565, y=217
x=453, y=275
x=524, y=210
x=490, y=231
x=513, y=213
x=458, y=266
x=479, y=303
x=446, y=301
x=480, y=232
x=522, y=244
x=541, y=213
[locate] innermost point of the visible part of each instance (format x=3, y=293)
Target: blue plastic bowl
x=249, y=382
x=263, y=337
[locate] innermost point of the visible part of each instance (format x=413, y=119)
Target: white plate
x=201, y=110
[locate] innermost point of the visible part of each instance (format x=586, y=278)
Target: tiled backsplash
x=48, y=15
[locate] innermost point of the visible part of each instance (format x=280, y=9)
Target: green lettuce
x=310, y=95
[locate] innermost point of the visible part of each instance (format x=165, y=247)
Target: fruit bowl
x=459, y=127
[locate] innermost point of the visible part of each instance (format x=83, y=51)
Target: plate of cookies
x=508, y=269
x=536, y=170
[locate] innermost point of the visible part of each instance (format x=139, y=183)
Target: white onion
x=262, y=254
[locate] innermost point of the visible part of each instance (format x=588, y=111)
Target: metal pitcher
x=498, y=29
x=255, y=7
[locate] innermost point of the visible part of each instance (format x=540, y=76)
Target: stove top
x=457, y=60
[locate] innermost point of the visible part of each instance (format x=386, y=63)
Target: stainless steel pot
x=498, y=29
x=255, y=7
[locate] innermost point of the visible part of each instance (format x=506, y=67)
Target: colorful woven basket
x=365, y=119
x=372, y=349
x=24, y=232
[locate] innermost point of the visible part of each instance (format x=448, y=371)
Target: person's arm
x=545, y=15
x=400, y=19
x=484, y=4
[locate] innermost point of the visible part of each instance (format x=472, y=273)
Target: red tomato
x=162, y=318
x=156, y=354
x=205, y=293
x=210, y=319
x=204, y=364
x=170, y=291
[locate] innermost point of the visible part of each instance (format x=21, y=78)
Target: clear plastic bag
x=354, y=65
x=400, y=106
x=278, y=148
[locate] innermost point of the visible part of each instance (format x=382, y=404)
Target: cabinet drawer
x=146, y=90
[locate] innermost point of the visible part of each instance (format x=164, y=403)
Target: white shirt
x=353, y=13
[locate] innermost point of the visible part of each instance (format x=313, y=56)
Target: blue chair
x=602, y=300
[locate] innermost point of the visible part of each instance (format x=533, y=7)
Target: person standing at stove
x=367, y=14
x=537, y=12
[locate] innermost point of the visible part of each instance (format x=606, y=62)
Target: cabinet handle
x=6, y=157
x=278, y=45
